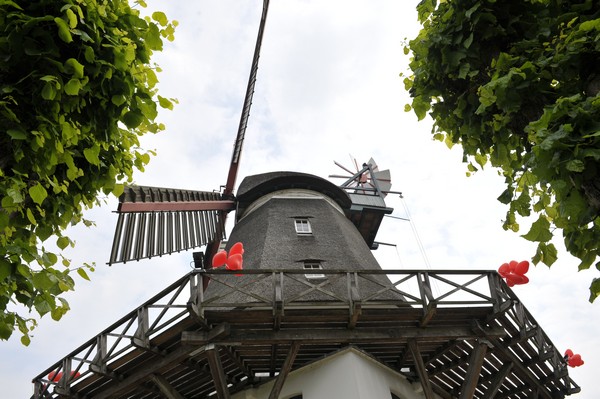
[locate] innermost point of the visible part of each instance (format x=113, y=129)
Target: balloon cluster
x=514, y=272
x=573, y=360
x=233, y=261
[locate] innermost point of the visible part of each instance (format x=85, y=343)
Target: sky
x=328, y=90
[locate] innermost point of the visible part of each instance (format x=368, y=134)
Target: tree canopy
x=516, y=84
x=77, y=89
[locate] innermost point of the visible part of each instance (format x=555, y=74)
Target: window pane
x=302, y=226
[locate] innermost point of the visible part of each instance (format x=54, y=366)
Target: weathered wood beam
x=372, y=335
x=216, y=370
x=475, y=364
x=421, y=369
x=285, y=370
x=165, y=388
x=497, y=381
x=355, y=302
x=175, y=356
x=429, y=312
x=517, y=364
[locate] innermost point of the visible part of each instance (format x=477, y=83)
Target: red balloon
x=522, y=267
x=55, y=376
x=237, y=248
x=514, y=279
x=219, y=259
x=234, y=262
x=503, y=270
x=569, y=353
x=575, y=361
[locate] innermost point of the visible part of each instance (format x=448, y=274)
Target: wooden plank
x=475, y=363
x=165, y=387
x=285, y=370
x=239, y=337
x=421, y=369
x=216, y=370
x=497, y=381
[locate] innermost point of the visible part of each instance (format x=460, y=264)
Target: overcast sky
x=328, y=89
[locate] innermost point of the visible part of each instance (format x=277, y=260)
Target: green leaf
x=133, y=119
x=83, y=274
x=165, y=103
x=63, y=242
x=63, y=30
x=30, y=217
x=594, y=289
x=71, y=17
x=160, y=17
x=73, y=86
x=5, y=269
x=575, y=165
x=73, y=67
x=540, y=231
x=17, y=134
x=25, y=340
x=38, y=193
x=49, y=91
x=91, y=155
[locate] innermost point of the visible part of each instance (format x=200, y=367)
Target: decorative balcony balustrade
x=447, y=309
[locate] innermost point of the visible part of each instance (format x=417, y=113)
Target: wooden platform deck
x=461, y=333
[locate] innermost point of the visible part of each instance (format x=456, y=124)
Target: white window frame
x=313, y=265
x=302, y=226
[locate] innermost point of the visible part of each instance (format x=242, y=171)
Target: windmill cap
x=256, y=186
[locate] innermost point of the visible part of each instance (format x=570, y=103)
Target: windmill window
x=302, y=226
x=313, y=266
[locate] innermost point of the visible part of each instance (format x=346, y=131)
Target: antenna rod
x=239, y=140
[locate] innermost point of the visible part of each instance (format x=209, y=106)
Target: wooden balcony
x=461, y=333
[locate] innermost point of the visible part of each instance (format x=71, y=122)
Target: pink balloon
x=219, y=259
x=237, y=248
x=234, y=262
x=522, y=267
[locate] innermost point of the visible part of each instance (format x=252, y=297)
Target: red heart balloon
x=512, y=265
x=219, y=259
x=237, y=248
x=569, y=353
x=522, y=267
x=503, y=270
x=234, y=262
x=514, y=279
x=575, y=361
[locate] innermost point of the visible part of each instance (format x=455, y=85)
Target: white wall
x=348, y=374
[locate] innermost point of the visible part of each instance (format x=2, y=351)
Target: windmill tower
x=312, y=314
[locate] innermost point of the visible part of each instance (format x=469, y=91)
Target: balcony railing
x=184, y=304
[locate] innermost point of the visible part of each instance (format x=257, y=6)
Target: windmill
x=313, y=315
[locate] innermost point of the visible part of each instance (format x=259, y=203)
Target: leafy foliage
x=76, y=91
x=516, y=83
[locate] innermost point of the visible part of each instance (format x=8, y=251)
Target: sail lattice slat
x=155, y=221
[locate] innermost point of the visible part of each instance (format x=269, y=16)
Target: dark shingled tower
x=292, y=221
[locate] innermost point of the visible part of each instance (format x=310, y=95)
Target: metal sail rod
x=239, y=140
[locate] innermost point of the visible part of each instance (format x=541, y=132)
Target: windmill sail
x=155, y=221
